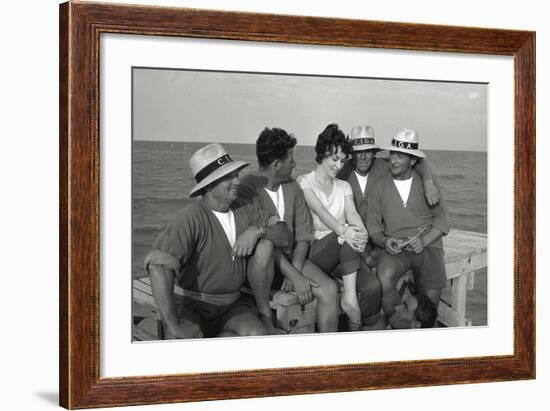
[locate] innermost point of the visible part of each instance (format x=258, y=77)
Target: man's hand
x=431, y=192
x=245, y=243
x=416, y=245
x=302, y=286
x=183, y=329
x=287, y=286
x=392, y=246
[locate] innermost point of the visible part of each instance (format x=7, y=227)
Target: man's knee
x=327, y=291
x=388, y=276
x=263, y=254
x=264, y=249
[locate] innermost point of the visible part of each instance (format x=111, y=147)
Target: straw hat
x=362, y=138
x=406, y=141
x=211, y=163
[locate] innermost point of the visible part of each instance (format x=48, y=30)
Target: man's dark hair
x=273, y=144
x=328, y=142
x=426, y=311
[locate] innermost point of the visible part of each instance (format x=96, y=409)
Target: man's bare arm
x=162, y=286
x=300, y=254
x=301, y=284
x=431, y=192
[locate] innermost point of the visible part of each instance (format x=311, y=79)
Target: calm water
x=162, y=180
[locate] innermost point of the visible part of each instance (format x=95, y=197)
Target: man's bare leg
x=389, y=270
x=326, y=295
x=260, y=272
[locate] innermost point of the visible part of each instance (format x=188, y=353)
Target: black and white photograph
x=178, y=169
x=272, y=204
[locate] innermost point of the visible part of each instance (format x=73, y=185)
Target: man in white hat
x=205, y=249
x=405, y=226
x=272, y=189
x=363, y=172
x=366, y=169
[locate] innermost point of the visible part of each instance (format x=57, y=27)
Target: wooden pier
x=465, y=253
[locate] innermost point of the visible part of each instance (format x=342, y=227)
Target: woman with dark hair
x=340, y=234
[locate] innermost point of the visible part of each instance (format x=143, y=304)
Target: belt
x=215, y=299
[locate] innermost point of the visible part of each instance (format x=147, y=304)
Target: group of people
x=343, y=234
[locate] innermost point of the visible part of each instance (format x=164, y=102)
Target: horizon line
x=297, y=145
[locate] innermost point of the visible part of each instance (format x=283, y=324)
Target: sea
x=161, y=181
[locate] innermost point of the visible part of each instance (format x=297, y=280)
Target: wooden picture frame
x=80, y=27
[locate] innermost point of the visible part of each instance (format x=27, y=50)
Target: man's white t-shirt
x=404, y=188
x=227, y=220
x=278, y=200
x=362, y=180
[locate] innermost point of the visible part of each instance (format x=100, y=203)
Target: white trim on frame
x=119, y=357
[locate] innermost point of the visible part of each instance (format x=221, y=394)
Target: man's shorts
x=332, y=257
x=428, y=267
x=212, y=318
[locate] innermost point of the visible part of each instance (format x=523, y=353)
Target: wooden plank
x=144, y=288
x=145, y=330
x=463, y=234
x=464, y=266
x=144, y=298
x=140, y=309
x=450, y=318
x=458, y=295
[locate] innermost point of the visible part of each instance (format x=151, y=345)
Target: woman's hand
x=356, y=238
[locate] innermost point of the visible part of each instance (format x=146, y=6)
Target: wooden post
x=458, y=298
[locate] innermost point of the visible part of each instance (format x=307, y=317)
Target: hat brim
x=363, y=147
x=416, y=153
x=217, y=174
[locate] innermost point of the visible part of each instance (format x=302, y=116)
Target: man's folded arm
x=162, y=286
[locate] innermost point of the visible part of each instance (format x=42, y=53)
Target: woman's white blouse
x=334, y=203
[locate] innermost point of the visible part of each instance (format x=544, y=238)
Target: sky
x=203, y=106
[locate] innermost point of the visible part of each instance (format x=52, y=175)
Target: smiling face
x=401, y=165
x=363, y=161
x=225, y=189
x=333, y=162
